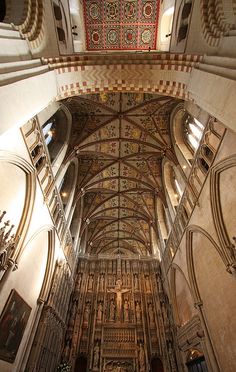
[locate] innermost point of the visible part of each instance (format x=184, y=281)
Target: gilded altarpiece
x=119, y=318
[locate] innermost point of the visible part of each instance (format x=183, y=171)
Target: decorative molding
x=167, y=73
x=23, y=225
x=137, y=319
x=194, y=186
x=35, y=143
x=191, y=229
x=226, y=243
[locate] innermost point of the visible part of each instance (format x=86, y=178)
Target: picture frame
x=13, y=321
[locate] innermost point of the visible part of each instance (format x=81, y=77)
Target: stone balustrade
x=204, y=158
x=40, y=158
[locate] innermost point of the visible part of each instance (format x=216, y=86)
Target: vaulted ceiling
x=120, y=140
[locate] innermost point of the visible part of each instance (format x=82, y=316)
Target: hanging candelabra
x=7, y=243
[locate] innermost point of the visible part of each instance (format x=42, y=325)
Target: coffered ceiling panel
x=121, y=24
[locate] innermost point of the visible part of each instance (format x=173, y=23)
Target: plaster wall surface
x=214, y=285
x=28, y=278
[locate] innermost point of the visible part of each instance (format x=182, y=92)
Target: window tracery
x=66, y=184
x=193, y=132
x=55, y=131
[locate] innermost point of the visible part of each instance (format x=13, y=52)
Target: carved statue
x=112, y=311
x=159, y=283
x=96, y=352
x=86, y=312
x=118, y=291
x=126, y=311
x=7, y=244
x=102, y=282
x=138, y=312
x=135, y=282
x=151, y=313
x=147, y=283
x=3, y=259
x=99, y=312
x=78, y=281
x=141, y=358
x=73, y=313
x=90, y=282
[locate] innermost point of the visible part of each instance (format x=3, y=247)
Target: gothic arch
x=70, y=167
x=191, y=229
x=166, y=23
x=45, y=286
x=169, y=183
x=30, y=190
x=62, y=122
x=187, y=293
x=50, y=259
x=162, y=218
x=156, y=365
x=90, y=80
x=217, y=207
x=182, y=150
x=209, y=266
x=75, y=220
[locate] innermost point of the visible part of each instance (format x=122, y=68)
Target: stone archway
x=205, y=262
x=156, y=365
x=81, y=364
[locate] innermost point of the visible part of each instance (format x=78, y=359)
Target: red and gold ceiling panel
x=121, y=24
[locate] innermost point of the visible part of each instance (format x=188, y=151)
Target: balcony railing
x=40, y=158
x=204, y=158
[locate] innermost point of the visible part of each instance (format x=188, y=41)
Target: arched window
x=193, y=131
x=162, y=219
x=174, y=184
x=49, y=131
x=178, y=189
x=66, y=184
x=56, y=132
x=75, y=222
x=183, y=20
x=166, y=28
x=186, y=134
x=156, y=365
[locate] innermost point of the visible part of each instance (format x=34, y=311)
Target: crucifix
x=119, y=292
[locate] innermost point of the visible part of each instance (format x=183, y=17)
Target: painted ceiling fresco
x=121, y=24
x=120, y=140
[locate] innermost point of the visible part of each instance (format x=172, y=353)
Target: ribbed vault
x=120, y=140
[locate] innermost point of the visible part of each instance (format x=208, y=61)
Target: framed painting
x=13, y=321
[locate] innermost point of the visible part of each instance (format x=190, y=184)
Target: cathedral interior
x=117, y=174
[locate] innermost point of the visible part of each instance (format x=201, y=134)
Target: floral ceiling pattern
x=121, y=24
x=120, y=140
